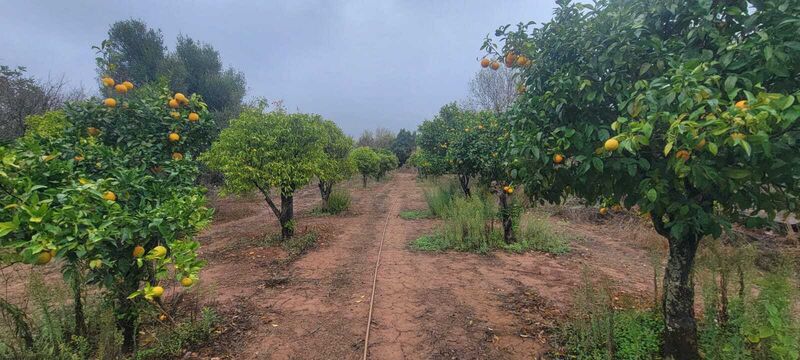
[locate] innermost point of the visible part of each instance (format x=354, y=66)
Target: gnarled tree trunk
x=286, y=216
x=505, y=215
x=325, y=188
x=680, y=333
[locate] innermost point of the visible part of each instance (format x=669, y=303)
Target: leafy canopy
x=267, y=150
x=701, y=96
x=366, y=160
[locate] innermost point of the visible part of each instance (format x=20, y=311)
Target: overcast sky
x=362, y=64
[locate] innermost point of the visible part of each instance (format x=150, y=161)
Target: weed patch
x=415, y=214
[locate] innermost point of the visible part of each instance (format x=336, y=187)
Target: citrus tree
x=366, y=161
x=270, y=150
x=336, y=165
x=433, y=140
x=112, y=196
x=388, y=162
x=685, y=110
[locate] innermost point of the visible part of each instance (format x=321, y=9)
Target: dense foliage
x=404, y=144
x=338, y=166
x=686, y=110
x=366, y=161
x=271, y=150
x=113, y=196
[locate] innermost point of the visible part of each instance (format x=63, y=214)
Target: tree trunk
x=127, y=313
x=325, y=188
x=722, y=317
x=364, y=179
x=287, y=214
x=680, y=333
x=505, y=214
x=80, y=319
x=464, y=181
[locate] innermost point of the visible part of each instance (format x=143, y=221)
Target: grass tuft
x=415, y=214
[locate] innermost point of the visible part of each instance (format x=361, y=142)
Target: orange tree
x=110, y=198
x=338, y=166
x=686, y=110
x=388, y=162
x=481, y=149
x=433, y=140
x=366, y=161
x=270, y=150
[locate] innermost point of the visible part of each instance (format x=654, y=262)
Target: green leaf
x=712, y=148
x=730, y=83
x=652, y=195
x=668, y=148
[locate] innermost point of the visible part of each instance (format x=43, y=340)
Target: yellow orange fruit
x=741, y=104
x=138, y=251
x=737, y=136
x=181, y=98
x=193, y=117
x=611, y=145
x=510, y=58
x=522, y=60
x=603, y=211
x=173, y=103
x=43, y=257
x=159, y=251
x=495, y=65
x=558, y=158
x=682, y=154
x=107, y=81
x=187, y=281
x=485, y=62
x=157, y=291
x=700, y=145
x=128, y=85
x=174, y=137
x=175, y=115
x=177, y=156
x=121, y=88
x=110, y=196
x=110, y=102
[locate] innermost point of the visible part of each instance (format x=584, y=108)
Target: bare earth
x=427, y=305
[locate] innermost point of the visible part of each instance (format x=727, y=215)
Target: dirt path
x=427, y=306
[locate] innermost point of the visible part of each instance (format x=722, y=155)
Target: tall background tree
x=493, y=90
x=137, y=53
x=404, y=144
x=22, y=96
x=381, y=138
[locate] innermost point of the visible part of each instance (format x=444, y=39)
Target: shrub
x=415, y=214
x=439, y=197
x=338, y=202
x=337, y=165
x=535, y=233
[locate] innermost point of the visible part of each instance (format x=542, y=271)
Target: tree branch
x=272, y=206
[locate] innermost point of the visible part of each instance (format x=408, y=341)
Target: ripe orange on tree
x=120, y=88
x=522, y=60
x=194, y=117
x=187, y=281
x=181, y=98
x=603, y=211
x=110, y=102
x=173, y=103
x=485, y=62
x=495, y=65
x=128, y=85
x=93, y=131
x=138, y=251
x=108, y=81
x=177, y=156
x=157, y=291
x=173, y=137
x=511, y=58
x=558, y=158
x=741, y=104
x=682, y=154
x=110, y=196
x=175, y=115
x=611, y=145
